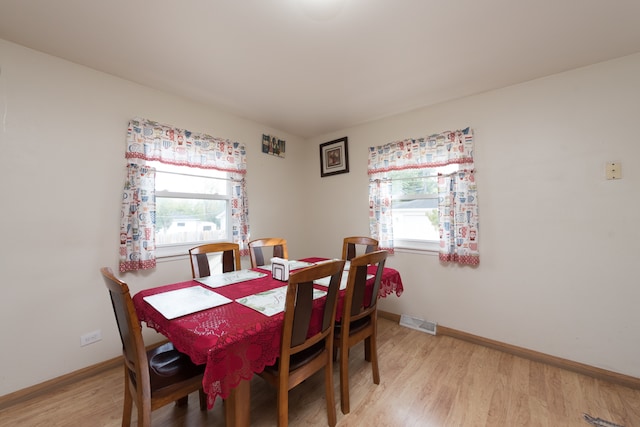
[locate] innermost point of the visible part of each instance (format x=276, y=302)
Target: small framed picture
x=273, y=145
x=334, y=157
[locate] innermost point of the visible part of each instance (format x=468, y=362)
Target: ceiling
x=305, y=74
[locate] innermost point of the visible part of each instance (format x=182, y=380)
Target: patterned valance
x=149, y=140
x=436, y=150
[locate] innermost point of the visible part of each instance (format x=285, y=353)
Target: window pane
x=190, y=184
x=415, y=219
x=415, y=185
x=185, y=179
x=413, y=182
x=190, y=220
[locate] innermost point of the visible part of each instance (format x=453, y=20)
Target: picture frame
x=334, y=157
x=273, y=145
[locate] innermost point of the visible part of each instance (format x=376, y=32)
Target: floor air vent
x=419, y=324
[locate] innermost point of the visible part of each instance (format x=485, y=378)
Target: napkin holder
x=280, y=269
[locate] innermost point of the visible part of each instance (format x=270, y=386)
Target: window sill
x=404, y=250
x=407, y=245
x=179, y=251
x=174, y=251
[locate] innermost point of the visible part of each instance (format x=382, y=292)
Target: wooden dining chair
x=351, y=246
x=200, y=262
x=257, y=250
x=359, y=319
x=152, y=378
x=302, y=355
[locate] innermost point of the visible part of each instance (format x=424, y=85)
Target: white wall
x=62, y=132
x=62, y=142
x=558, y=242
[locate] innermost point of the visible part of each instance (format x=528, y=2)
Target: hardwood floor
x=425, y=381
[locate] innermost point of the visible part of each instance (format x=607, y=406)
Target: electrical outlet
x=613, y=170
x=90, y=338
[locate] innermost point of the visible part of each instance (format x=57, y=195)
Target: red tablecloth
x=233, y=340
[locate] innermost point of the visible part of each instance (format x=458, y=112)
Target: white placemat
x=184, y=301
x=343, y=282
x=224, y=279
x=272, y=301
x=346, y=263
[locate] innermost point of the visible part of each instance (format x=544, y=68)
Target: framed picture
x=273, y=145
x=334, y=157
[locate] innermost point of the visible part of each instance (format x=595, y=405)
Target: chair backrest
x=350, y=246
x=355, y=305
x=133, y=349
x=277, y=245
x=199, y=256
x=298, y=308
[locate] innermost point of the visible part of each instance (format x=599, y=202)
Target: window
x=402, y=184
x=414, y=206
x=193, y=206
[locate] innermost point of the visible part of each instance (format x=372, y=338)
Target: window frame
x=415, y=244
x=182, y=249
x=434, y=172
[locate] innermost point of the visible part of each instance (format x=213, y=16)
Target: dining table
x=237, y=337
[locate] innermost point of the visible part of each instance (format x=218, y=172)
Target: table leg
x=238, y=405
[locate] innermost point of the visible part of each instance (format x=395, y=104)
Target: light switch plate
x=613, y=170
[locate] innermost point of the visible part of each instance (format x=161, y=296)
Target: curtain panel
x=137, y=219
x=148, y=141
x=380, y=219
x=457, y=192
x=458, y=218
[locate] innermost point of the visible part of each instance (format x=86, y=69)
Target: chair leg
x=344, y=378
x=331, y=402
x=373, y=352
x=203, y=399
x=143, y=402
x=183, y=401
x=128, y=401
x=367, y=349
x=283, y=406
x=144, y=414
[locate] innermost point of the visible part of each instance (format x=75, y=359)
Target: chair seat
x=356, y=325
x=299, y=359
x=168, y=366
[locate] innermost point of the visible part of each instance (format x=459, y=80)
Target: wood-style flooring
x=425, y=381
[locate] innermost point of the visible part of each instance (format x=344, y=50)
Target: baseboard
x=39, y=389
x=45, y=387
x=570, y=365
x=389, y=316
